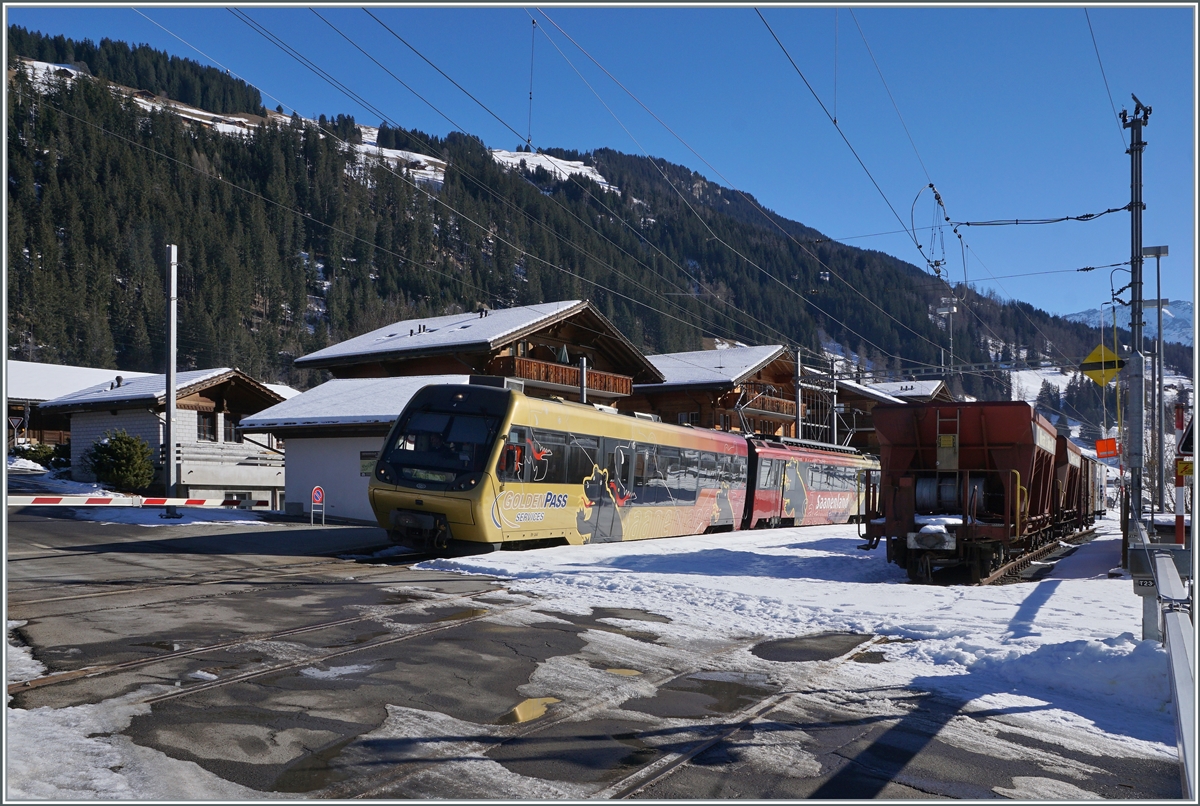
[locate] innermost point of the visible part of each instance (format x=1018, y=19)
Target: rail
x=1172, y=604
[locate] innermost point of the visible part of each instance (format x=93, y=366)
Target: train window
x=582, y=457
x=514, y=459
x=682, y=478
x=549, y=457
x=619, y=461
x=708, y=470
x=666, y=468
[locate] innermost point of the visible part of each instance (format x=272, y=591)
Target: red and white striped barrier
x=130, y=501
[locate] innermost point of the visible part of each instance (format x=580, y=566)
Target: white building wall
x=335, y=465
x=89, y=427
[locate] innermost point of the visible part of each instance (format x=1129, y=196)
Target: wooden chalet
x=747, y=389
x=540, y=346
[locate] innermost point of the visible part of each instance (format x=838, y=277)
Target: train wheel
x=919, y=569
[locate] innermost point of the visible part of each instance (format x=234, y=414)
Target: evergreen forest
x=290, y=239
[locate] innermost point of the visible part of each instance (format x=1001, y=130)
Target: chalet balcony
x=561, y=377
x=762, y=400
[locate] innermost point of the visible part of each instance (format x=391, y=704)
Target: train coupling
x=932, y=537
x=428, y=530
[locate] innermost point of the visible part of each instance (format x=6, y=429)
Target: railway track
x=1010, y=572
x=384, y=784
x=223, y=577
x=100, y=671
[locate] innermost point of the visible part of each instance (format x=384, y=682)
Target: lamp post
x=1158, y=253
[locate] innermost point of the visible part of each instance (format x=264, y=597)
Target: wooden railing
x=762, y=398
x=529, y=369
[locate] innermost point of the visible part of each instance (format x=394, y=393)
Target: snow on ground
x=16, y=463
x=65, y=755
x=1056, y=660
x=1065, y=647
x=52, y=484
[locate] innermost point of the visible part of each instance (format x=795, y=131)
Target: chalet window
x=231, y=423
x=206, y=426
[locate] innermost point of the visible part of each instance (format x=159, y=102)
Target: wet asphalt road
x=276, y=663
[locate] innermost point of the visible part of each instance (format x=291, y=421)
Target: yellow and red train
x=470, y=468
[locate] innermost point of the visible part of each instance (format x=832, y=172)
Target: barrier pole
x=1180, y=503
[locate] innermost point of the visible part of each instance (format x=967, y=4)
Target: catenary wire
x=350, y=93
x=1099, y=61
x=753, y=204
x=482, y=186
x=701, y=219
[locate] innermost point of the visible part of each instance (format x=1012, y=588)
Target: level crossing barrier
x=130, y=501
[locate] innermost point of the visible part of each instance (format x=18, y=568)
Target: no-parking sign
x=318, y=495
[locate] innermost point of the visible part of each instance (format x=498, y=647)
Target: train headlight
x=468, y=482
x=384, y=473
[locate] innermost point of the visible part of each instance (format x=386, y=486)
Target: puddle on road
x=593, y=621
x=704, y=694
x=628, y=613
x=808, y=648
x=313, y=771
x=462, y=614
x=527, y=711
x=165, y=646
x=624, y=672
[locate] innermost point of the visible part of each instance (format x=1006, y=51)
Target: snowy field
x=1059, y=658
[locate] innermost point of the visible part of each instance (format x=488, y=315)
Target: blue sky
x=1006, y=106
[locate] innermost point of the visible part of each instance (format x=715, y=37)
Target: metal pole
x=799, y=401
x=169, y=435
x=1137, y=388
x=583, y=379
x=1158, y=411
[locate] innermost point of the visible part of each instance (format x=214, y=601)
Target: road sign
x=16, y=422
x=1107, y=448
x=1102, y=365
x=1185, y=467
x=318, y=495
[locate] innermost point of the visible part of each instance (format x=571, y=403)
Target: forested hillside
x=289, y=240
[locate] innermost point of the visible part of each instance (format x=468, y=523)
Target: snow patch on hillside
x=1177, y=325
x=558, y=168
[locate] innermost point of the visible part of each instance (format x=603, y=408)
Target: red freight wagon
x=962, y=484
x=794, y=484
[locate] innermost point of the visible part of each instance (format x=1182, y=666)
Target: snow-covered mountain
x=1177, y=325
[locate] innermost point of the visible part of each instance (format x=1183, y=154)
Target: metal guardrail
x=1168, y=603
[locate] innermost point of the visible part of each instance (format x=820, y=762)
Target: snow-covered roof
x=285, y=392
x=29, y=380
x=345, y=401
x=461, y=332
x=872, y=392
x=457, y=331
x=142, y=390
x=908, y=390
x=710, y=367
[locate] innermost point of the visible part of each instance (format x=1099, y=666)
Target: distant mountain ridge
x=297, y=233
x=1177, y=326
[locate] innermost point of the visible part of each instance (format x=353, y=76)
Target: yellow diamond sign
x=1102, y=365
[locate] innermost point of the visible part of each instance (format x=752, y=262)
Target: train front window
x=435, y=446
